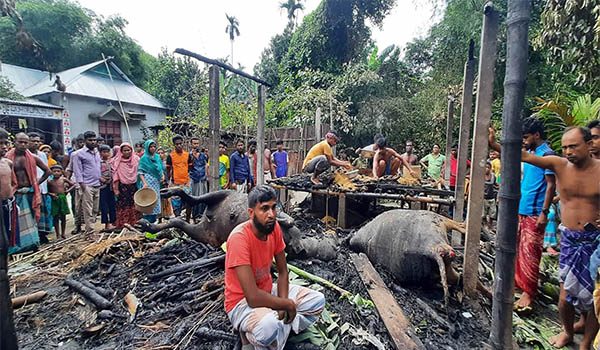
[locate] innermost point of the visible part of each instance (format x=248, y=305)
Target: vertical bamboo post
x=517, y=47
x=260, y=137
x=214, y=126
x=463, y=142
x=449, y=132
x=483, y=114
x=318, y=124
x=8, y=335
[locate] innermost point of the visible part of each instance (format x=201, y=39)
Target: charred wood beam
x=188, y=266
x=89, y=293
x=221, y=64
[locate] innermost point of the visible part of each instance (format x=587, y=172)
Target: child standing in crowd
x=107, y=196
x=489, y=195
x=60, y=208
x=280, y=158
x=166, y=208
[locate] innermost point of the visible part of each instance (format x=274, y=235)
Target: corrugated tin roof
x=81, y=81
x=23, y=78
x=30, y=102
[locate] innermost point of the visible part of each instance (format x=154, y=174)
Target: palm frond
x=584, y=110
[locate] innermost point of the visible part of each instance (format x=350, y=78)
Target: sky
x=199, y=26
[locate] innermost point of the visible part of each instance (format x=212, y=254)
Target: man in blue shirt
x=538, y=187
x=198, y=176
x=239, y=170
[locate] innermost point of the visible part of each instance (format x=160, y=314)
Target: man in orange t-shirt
x=179, y=162
x=263, y=312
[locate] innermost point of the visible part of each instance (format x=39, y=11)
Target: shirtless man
x=60, y=208
x=578, y=178
x=387, y=161
x=28, y=194
x=409, y=156
x=7, y=187
x=594, y=127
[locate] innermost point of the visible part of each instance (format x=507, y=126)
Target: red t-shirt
x=243, y=248
x=454, y=169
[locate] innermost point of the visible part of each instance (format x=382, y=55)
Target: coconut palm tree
x=291, y=6
x=233, y=29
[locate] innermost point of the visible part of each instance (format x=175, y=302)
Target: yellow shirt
x=496, y=167
x=321, y=148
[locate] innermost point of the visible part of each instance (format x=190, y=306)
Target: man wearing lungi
x=27, y=196
x=578, y=178
x=264, y=313
x=45, y=226
x=537, y=191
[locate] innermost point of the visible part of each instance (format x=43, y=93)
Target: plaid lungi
x=576, y=248
x=27, y=226
x=45, y=223
x=11, y=222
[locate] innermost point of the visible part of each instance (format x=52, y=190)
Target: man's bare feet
x=579, y=326
x=524, y=301
x=560, y=340
x=552, y=251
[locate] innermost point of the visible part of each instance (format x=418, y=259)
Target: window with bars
x=110, y=130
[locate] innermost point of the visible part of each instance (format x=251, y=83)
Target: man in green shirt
x=434, y=162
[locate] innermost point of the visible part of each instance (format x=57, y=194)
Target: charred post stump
x=463, y=142
x=449, y=134
x=483, y=114
x=260, y=137
x=8, y=335
x=214, y=125
x=517, y=46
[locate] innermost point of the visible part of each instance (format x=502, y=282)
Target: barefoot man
x=579, y=181
x=320, y=158
x=387, y=161
x=28, y=195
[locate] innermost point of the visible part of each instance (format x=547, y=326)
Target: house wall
x=80, y=108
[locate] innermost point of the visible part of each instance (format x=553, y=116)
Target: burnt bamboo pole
x=214, y=126
x=517, y=46
x=463, y=142
x=483, y=115
x=449, y=134
x=260, y=137
x=8, y=335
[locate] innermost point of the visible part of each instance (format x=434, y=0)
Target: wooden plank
x=214, y=125
x=260, y=137
x=341, y=216
x=390, y=312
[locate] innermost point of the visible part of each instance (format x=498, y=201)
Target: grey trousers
x=199, y=188
x=90, y=200
x=317, y=165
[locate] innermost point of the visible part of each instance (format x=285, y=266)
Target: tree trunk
x=483, y=114
x=517, y=27
x=463, y=142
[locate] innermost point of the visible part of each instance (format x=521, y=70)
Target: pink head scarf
x=125, y=170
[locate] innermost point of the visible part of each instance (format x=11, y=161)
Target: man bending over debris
x=263, y=312
x=387, y=161
x=320, y=157
x=578, y=178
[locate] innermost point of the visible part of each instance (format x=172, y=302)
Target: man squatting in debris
x=387, y=161
x=579, y=181
x=320, y=157
x=250, y=295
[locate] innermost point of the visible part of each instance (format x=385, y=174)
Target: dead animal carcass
x=227, y=209
x=411, y=244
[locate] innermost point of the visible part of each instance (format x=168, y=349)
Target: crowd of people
x=102, y=181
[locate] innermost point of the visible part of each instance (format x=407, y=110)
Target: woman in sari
x=125, y=168
x=151, y=175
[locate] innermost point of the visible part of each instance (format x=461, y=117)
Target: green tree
x=571, y=36
x=291, y=6
x=7, y=90
x=233, y=29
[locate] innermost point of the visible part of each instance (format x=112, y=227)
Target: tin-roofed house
x=90, y=101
